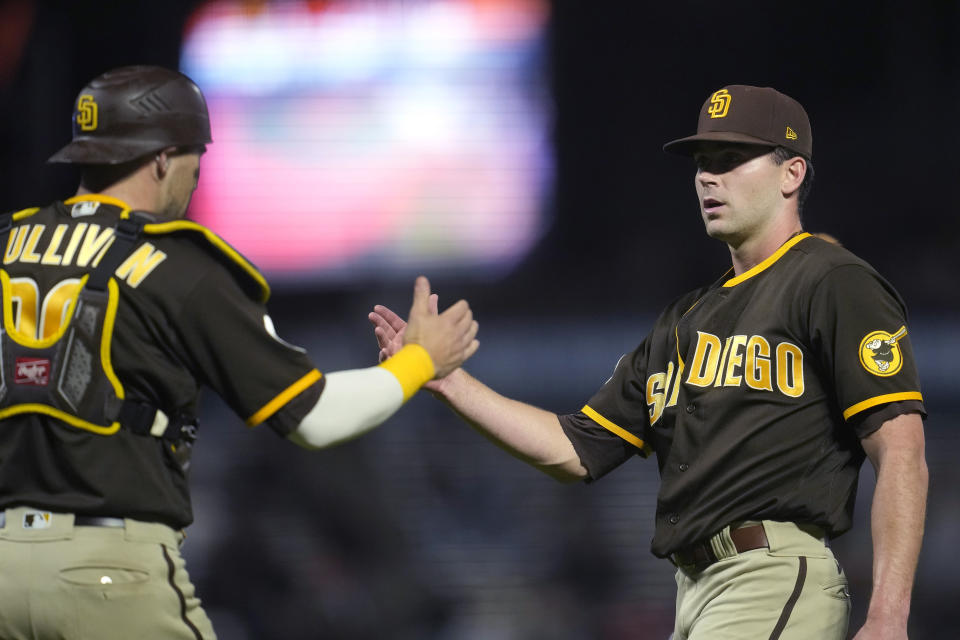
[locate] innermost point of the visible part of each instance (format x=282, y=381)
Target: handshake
x=428, y=347
x=449, y=337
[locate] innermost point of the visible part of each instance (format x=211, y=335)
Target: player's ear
x=794, y=171
x=161, y=163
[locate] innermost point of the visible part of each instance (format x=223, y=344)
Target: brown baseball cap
x=750, y=115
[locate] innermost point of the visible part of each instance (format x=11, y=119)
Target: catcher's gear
x=132, y=111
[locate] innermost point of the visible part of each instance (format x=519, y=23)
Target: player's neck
x=755, y=249
x=135, y=191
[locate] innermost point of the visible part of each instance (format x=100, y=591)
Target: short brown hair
x=781, y=155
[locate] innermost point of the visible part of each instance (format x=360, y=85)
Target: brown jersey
x=754, y=392
x=191, y=313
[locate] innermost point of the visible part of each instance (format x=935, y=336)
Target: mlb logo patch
x=37, y=520
x=85, y=208
x=32, y=371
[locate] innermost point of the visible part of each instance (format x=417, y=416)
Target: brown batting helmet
x=132, y=111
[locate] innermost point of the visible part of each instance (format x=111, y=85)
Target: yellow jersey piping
x=283, y=398
x=676, y=329
x=873, y=402
x=106, y=337
x=25, y=213
x=746, y=275
x=616, y=430
x=98, y=197
x=72, y=420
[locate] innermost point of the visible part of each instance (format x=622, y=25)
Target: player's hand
x=389, y=329
x=449, y=337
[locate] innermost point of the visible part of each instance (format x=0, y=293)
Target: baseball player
x=116, y=311
x=760, y=395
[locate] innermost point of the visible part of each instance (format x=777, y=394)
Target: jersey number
x=36, y=318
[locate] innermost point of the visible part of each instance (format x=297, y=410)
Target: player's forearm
x=352, y=403
x=897, y=521
x=526, y=432
x=355, y=401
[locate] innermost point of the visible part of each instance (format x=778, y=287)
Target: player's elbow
x=305, y=440
x=567, y=472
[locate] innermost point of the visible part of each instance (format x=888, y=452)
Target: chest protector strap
x=69, y=375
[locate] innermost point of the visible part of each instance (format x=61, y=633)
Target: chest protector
x=69, y=375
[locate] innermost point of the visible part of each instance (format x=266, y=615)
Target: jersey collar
x=98, y=197
x=746, y=275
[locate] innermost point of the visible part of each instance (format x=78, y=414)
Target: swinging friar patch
x=880, y=353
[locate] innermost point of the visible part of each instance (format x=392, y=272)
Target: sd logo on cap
x=744, y=114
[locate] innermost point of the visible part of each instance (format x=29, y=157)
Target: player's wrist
x=448, y=387
x=412, y=366
x=889, y=615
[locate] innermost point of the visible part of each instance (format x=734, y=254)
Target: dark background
x=422, y=529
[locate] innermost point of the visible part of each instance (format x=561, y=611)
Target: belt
x=82, y=521
x=701, y=555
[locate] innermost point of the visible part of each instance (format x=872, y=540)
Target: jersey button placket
x=691, y=408
x=683, y=466
x=674, y=518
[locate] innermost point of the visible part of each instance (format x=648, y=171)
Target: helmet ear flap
x=130, y=112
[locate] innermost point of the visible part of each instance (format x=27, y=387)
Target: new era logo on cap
x=750, y=115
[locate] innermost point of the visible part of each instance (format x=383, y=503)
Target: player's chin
x=716, y=228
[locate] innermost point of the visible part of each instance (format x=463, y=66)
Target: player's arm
x=355, y=401
x=527, y=432
x=896, y=450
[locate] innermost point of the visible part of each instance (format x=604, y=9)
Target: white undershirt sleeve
x=352, y=403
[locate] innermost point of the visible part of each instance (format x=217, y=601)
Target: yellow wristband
x=412, y=367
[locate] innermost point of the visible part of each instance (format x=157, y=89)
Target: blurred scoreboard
x=374, y=140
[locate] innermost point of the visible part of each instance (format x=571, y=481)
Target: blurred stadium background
x=509, y=149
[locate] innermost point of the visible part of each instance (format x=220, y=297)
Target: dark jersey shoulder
x=814, y=259
x=828, y=254
x=677, y=308
x=184, y=235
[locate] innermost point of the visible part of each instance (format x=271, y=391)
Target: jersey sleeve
x=858, y=327
x=233, y=345
x=600, y=450
x=620, y=405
